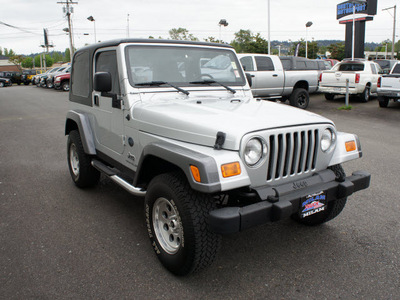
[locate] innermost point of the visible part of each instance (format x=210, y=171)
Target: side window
x=80, y=75
x=247, y=63
x=396, y=69
x=264, y=63
x=301, y=65
x=373, y=69
x=107, y=62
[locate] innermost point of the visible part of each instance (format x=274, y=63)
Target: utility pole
x=394, y=26
x=68, y=10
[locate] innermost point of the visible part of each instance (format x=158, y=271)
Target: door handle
x=275, y=75
x=96, y=100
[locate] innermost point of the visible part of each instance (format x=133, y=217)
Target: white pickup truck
x=362, y=75
x=389, y=86
x=272, y=80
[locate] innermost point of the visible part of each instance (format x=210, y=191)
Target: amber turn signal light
x=350, y=146
x=231, y=169
x=195, y=173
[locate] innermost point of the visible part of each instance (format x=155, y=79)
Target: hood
x=198, y=119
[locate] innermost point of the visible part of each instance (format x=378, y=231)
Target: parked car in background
x=15, y=77
x=331, y=61
x=5, y=82
x=42, y=77
x=386, y=64
x=27, y=76
x=51, y=76
x=61, y=81
x=389, y=86
x=270, y=79
x=362, y=76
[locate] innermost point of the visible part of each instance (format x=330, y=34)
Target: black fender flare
x=182, y=158
x=82, y=123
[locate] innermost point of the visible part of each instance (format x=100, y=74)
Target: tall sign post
x=354, y=14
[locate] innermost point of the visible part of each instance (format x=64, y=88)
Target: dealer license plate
x=313, y=204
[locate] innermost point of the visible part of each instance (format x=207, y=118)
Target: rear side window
x=301, y=65
x=396, y=69
x=80, y=75
x=247, y=63
x=264, y=63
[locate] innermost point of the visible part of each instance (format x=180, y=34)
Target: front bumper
x=283, y=201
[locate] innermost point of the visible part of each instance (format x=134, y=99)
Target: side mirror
x=249, y=78
x=102, y=82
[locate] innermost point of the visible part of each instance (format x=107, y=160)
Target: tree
x=57, y=57
x=67, y=55
x=181, y=34
x=27, y=63
x=49, y=61
x=337, y=50
x=312, y=49
x=246, y=41
x=212, y=39
x=16, y=59
x=1, y=51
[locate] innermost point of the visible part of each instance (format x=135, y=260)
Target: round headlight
x=254, y=151
x=327, y=140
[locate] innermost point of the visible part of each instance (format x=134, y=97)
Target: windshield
x=181, y=66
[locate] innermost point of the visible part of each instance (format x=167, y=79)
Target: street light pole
x=394, y=27
x=308, y=24
x=91, y=19
x=269, y=27
x=354, y=2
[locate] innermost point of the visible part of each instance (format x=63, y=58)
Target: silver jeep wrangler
x=175, y=122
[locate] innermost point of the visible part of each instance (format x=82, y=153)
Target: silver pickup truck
x=292, y=78
x=389, y=87
x=175, y=124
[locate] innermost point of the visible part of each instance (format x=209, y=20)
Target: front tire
x=176, y=218
x=334, y=208
x=79, y=163
x=299, y=98
x=65, y=86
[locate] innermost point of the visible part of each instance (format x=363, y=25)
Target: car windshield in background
x=182, y=66
x=351, y=67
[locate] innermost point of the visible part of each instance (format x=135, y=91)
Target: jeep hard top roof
x=92, y=48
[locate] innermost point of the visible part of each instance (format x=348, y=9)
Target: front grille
x=292, y=153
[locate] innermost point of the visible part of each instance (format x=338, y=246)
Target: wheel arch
x=303, y=84
x=80, y=122
x=162, y=157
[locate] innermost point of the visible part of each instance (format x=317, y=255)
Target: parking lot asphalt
x=61, y=242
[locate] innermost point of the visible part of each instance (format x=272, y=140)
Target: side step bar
x=118, y=180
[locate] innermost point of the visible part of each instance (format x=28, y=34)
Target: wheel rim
x=301, y=100
x=74, y=160
x=167, y=226
x=66, y=87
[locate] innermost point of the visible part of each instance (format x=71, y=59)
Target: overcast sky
x=156, y=17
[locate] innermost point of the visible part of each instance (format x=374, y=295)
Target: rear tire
x=329, y=97
x=299, y=98
x=79, y=163
x=383, y=101
x=334, y=208
x=366, y=95
x=176, y=218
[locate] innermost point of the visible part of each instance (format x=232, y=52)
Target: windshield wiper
x=158, y=83
x=207, y=81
